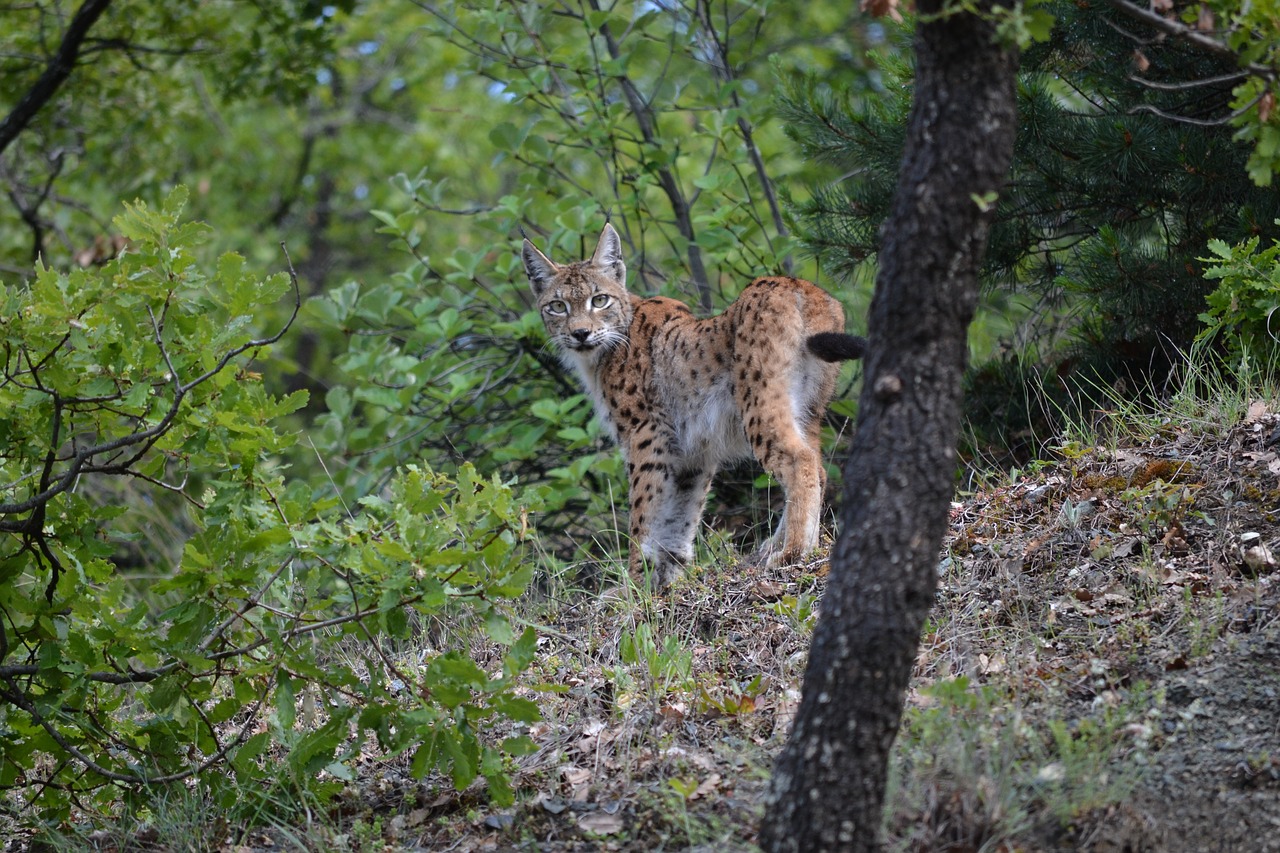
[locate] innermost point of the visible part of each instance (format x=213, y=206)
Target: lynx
x=682, y=396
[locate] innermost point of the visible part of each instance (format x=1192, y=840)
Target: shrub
x=132, y=399
x=1242, y=309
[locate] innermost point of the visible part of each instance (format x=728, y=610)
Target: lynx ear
x=538, y=267
x=608, y=255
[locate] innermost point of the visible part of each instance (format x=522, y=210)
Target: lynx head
x=585, y=305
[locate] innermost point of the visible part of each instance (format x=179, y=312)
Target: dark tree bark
x=828, y=785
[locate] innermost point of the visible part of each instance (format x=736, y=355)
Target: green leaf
x=498, y=626
x=505, y=136
x=519, y=745
x=286, y=708
x=1220, y=248
x=315, y=750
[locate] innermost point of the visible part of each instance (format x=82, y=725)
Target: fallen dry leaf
x=1259, y=558
x=767, y=590
x=578, y=779
x=991, y=665
x=881, y=8
x=708, y=785
x=674, y=712
x=601, y=823
x=1127, y=547
x=1119, y=596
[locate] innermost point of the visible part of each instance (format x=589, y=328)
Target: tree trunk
x=828, y=785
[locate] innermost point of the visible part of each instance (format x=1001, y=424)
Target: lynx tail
x=836, y=346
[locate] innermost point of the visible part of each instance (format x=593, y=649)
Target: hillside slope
x=1101, y=672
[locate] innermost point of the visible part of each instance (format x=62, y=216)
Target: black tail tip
x=836, y=346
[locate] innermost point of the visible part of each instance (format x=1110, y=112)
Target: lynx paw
x=658, y=574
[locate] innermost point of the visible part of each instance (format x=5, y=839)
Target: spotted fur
x=683, y=395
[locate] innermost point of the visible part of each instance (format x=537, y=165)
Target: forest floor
x=1101, y=673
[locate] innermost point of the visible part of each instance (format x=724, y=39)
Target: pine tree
x=1111, y=203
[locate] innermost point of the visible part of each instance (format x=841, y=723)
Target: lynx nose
x=581, y=335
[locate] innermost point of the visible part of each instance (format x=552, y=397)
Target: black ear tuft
x=608, y=255
x=537, y=266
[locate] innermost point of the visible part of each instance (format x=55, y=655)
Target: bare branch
x=1200, y=122
x=725, y=70
x=642, y=110
x=59, y=68
x=1233, y=77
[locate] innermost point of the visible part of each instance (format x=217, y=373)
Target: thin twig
x=1191, y=36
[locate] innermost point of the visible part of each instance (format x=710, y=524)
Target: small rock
x=601, y=823
x=1259, y=559
x=1054, y=772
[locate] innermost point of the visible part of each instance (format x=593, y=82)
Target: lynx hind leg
x=782, y=410
x=817, y=411
x=799, y=468
x=773, y=550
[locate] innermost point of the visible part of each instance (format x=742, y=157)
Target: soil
x=1197, y=515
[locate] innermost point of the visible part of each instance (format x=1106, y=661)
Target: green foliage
x=461, y=358
x=664, y=665
x=799, y=610
x=126, y=669
x=1250, y=30
x=1018, y=25
x=147, y=74
x=1092, y=256
x=1242, y=307
x=288, y=121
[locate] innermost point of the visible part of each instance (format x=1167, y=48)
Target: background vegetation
x=249, y=465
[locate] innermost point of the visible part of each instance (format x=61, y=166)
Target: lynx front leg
x=675, y=523
x=666, y=505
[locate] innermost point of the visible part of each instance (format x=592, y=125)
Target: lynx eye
x=600, y=300
x=556, y=306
